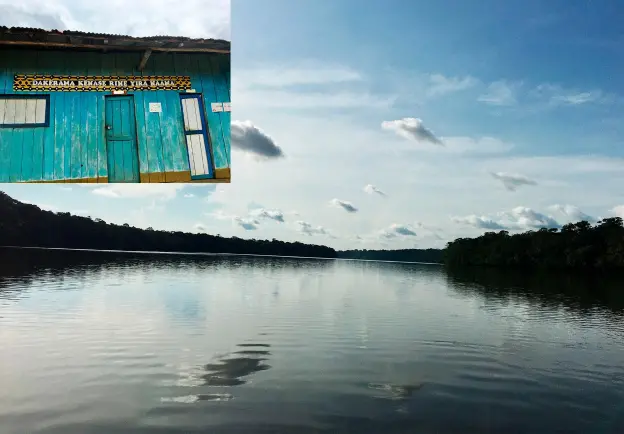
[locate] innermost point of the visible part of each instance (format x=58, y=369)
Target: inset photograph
x=79, y=107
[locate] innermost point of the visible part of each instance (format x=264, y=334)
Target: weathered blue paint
x=73, y=146
x=122, y=153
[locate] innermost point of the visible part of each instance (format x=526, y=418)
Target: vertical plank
x=61, y=118
x=110, y=159
x=6, y=83
x=141, y=133
x=6, y=72
x=225, y=71
x=152, y=124
x=21, y=138
x=215, y=130
x=174, y=156
x=127, y=63
x=139, y=114
x=104, y=163
x=47, y=63
x=222, y=91
x=92, y=63
x=100, y=131
x=73, y=154
x=39, y=133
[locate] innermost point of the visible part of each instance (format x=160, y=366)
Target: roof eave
x=107, y=47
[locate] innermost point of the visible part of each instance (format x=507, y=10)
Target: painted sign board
x=98, y=83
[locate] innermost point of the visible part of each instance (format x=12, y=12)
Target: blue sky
x=468, y=116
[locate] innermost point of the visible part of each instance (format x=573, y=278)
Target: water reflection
x=21, y=267
x=233, y=369
x=581, y=294
x=395, y=391
x=304, y=346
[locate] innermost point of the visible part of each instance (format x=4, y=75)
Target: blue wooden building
x=83, y=107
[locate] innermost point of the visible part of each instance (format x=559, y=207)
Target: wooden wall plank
x=39, y=133
x=152, y=123
x=174, y=146
x=47, y=63
x=5, y=133
x=214, y=119
x=90, y=105
x=222, y=91
x=20, y=66
x=76, y=113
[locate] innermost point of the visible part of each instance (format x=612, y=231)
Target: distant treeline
x=28, y=226
x=406, y=255
x=576, y=245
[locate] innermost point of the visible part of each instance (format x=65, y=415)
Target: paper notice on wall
x=216, y=107
x=227, y=106
x=155, y=107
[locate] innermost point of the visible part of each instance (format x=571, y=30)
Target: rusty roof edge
x=104, y=47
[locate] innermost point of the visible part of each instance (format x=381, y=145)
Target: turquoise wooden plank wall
x=74, y=145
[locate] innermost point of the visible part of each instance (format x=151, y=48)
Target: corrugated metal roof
x=24, y=36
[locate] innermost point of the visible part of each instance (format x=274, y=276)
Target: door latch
x=108, y=127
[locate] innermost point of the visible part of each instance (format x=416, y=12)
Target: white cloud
x=572, y=213
x=305, y=73
x=519, y=218
x=481, y=222
x=271, y=214
x=618, y=211
x=347, y=206
x=304, y=86
x=252, y=220
x=221, y=215
x=325, y=100
x=308, y=229
x=398, y=230
x=210, y=18
x=500, y=93
x=247, y=137
x=513, y=181
x=164, y=191
x=249, y=224
x=440, y=85
x=481, y=145
x=189, y=195
x=371, y=189
x=413, y=129
x=556, y=95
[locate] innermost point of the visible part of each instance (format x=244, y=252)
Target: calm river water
x=127, y=343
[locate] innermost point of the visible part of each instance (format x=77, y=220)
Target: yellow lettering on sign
x=99, y=83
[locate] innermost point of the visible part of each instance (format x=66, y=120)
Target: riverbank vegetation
x=27, y=225
x=576, y=245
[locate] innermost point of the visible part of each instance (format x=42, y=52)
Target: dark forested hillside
x=577, y=245
x=27, y=225
x=406, y=255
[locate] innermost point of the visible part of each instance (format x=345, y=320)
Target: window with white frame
x=24, y=111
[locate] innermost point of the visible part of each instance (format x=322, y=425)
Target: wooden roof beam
x=144, y=59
